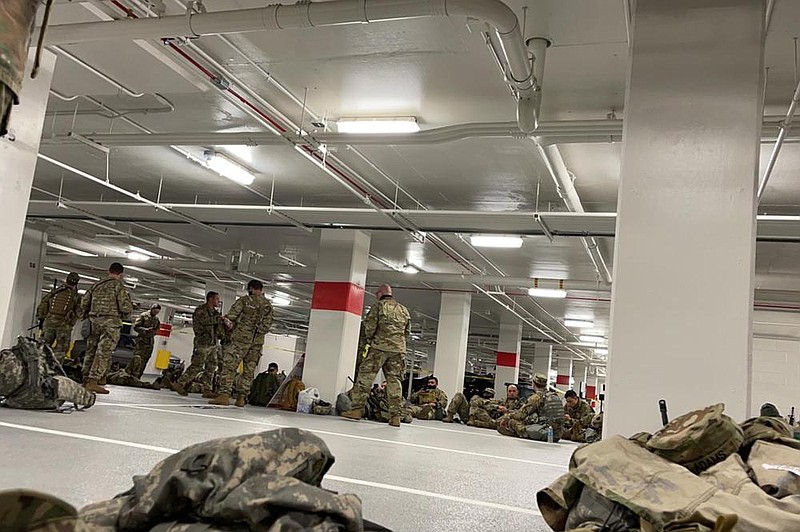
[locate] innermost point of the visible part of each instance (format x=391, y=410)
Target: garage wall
x=776, y=360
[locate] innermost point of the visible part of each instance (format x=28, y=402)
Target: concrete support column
x=28, y=286
x=580, y=371
x=509, y=342
x=451, y=342
x=685, y=238
x=564, y=378
x=18, y=151
x=543, y=359
x=336, y=309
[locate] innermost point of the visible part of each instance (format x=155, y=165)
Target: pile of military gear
x=31, y=378
x=269, y=481
x=701, y=472
x=321, y=408
x=121, y=377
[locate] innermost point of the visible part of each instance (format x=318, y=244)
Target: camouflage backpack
x=697, y=440
x=552, y=411
x=60, y=301
x=321, y=408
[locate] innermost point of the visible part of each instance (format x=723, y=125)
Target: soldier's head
x=433, y=382
x=255, y=287
x=73, y=278
x=383, y=385
x=488, y=393
x=540, y=381
x=212, y=299
x=155, y=308
x=272, y=368
x=512, y=392
x=571, y=398
x=116, y=270
x=383, y=290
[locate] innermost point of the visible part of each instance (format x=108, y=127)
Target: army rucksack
x=552, y=410
x=61, y=301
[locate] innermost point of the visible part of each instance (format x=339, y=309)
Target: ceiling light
x=74, y=251
x=601, y=352
x=495, y=241
x=56, y=270
x=144, y=252
x=139, y=257
x=403, y=124
x=592, y=339
x=131, y=279
x=280, y=301
x=553, y=293
x=164, y=300
x=225, y=167
x=410, y=269
x=581, y=324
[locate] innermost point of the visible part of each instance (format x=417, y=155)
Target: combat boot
x=179, y=389
x=394, y=421
x=222, y=399
x=448, y=419
x=208, y=394
x=92, y=386
x=354, y=414
x=240, y=401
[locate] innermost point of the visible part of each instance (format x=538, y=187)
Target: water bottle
x=549, y=434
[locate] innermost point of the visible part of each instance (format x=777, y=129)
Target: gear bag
x=552, y=411
x=61, y=301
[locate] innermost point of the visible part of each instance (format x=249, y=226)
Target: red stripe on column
x=591, y=392
x=508, y=360
x=563, y=380
x=344, y=297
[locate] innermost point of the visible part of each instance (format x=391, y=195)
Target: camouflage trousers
x=7, y=99
x=480, y=418
x=141, y=356
x=574, y=432
x=531, y=431
x=204, y=361
x=70, y=391
x=245, y=353
x=99, y=346
x=60, y=332
x=459, y=406
x=392, y=365
x=427, y=412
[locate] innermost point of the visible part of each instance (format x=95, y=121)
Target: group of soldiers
x=221, y=343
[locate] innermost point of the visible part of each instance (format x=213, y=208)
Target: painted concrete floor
x=423, y=476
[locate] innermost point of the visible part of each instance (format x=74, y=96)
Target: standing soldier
x=57, y=315
x=249, y=320
x=386, y=328
x=106, y=304
x=207, y=326
x=146, y=327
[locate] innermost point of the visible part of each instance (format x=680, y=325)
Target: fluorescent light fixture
x=56, y=270
x=495, y=241
x=227, y=168
x=68, y=249
x=82, y=291
x=144, y=252
x=280, y=301
x=410, y=269
x=401, y=124
x=592, y=339
x=553, y=293
x=164, y=300
x=580, y=324
x=131, y=279
x=139, y=257
x=601, y=352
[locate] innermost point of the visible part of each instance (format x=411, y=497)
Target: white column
x=579, y=374
x=18, y=162
x=564, y=379
x=509, y=342
x=685, y=238
x=543, y=359
x=336, y=309
x=28, y=286
x=451, y=342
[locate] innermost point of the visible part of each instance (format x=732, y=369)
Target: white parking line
x=334, y=478
x=343, y=435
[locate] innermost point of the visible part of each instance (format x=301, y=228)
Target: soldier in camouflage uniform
x=377, y=406
x=542, y=410
x=482, y=411
x=106, y=304
x=430, y=402
x=512, y=400
x=146, y=327
x=386, y=328
x=32, y=379
x=577, y=417
x=249, y=320
x=208, y=328
x=57, y=314
x=17, y=19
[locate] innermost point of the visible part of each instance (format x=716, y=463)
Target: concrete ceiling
x=436, y=70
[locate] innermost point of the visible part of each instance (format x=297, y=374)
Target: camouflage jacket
x=251, y=317
x=107, y=299
x=426, y=396
x=581, y=414
x=207, y=326
x=512, y=404
x=479, y=403
x=387, y=326
x=529, y=412
x=17, y=18
x=60, y=304
x=146, y=326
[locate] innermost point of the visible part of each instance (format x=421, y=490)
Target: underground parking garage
x=491, y=264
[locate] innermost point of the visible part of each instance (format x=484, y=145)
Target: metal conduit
x=784, y=127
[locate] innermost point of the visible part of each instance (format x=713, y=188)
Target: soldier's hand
x=566, y=417
x=502, y=409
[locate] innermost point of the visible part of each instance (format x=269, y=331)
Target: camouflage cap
x=699, y=439
x=540, y=379
x=23, y=510
x=768, y=409
x=488, y=392
x=73, y=278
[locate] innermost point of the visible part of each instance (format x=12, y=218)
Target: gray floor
x=423, y=476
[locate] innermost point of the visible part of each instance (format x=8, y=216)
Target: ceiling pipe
x=566, y=191
x=304, y=15
x=784, y=127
